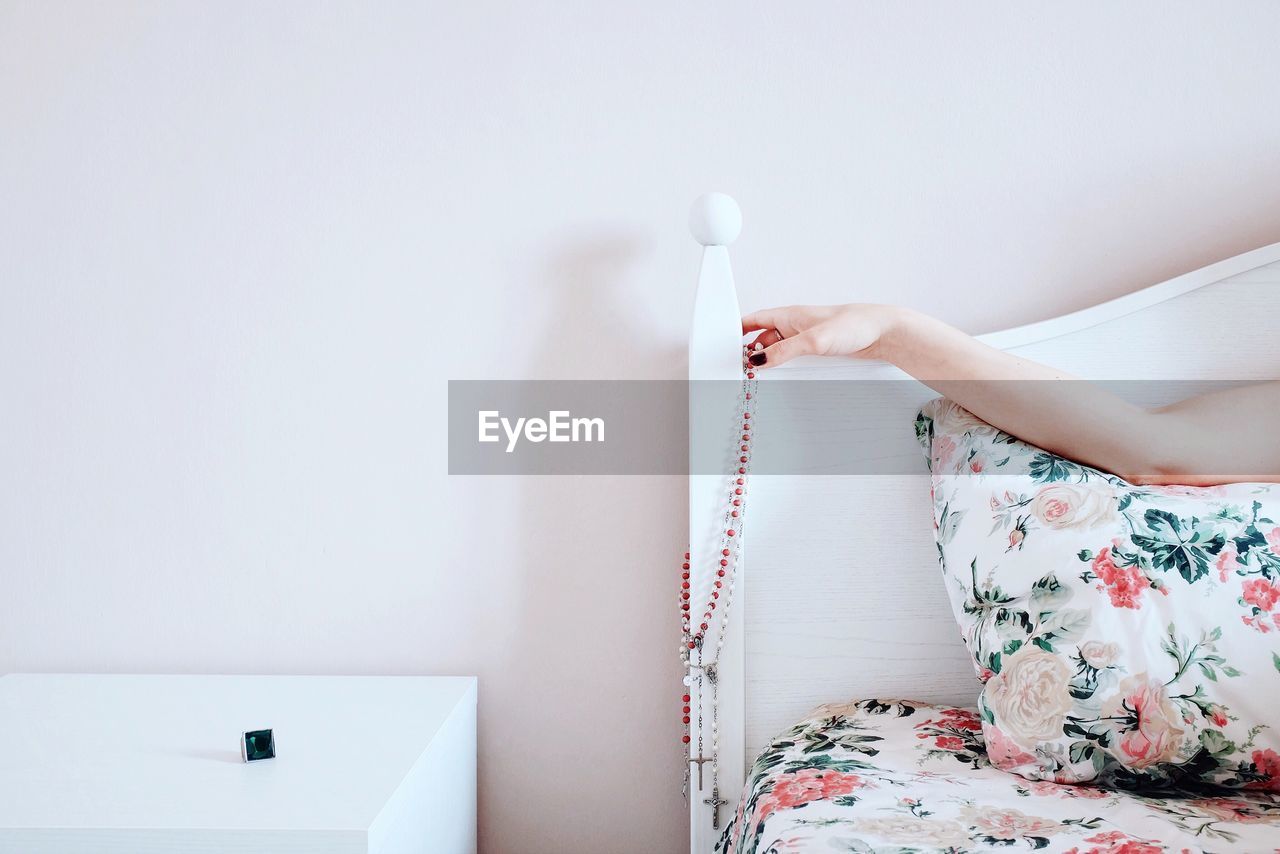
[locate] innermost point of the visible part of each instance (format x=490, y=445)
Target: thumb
x=784, y=351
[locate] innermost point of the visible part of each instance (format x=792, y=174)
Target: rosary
x=699, y=664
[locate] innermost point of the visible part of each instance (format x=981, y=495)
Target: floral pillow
x=1127, y=635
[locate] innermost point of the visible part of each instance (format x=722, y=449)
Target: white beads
x=696, y=653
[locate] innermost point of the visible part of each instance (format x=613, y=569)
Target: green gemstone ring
x=258, y=744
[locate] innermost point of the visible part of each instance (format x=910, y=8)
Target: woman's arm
x=1227, y=436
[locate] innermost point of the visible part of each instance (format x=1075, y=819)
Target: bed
x=825, y=613
x=899, y=775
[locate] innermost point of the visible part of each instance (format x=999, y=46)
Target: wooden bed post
x=715, y=353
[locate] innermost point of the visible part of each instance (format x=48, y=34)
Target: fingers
x=758, y=320
x=771, y=318
x=766, y=339
x=783, y=351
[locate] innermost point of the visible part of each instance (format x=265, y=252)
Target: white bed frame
x=841, y=597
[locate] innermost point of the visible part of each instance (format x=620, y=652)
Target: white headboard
x=839, y=594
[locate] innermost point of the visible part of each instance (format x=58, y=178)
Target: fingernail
x=758, y=358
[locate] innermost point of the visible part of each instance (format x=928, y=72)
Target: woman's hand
x=856, y=330
x=1192, y=442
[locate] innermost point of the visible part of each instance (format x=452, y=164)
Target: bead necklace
x=693, y=640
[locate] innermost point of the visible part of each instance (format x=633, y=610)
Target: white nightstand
x=149, y=764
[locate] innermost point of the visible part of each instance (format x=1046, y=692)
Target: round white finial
x=715, y=219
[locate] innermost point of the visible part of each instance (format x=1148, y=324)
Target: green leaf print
x=1047, y=468
x=1065, y=626
x=948, y=524
x=1048, y=593
x=1203, y=654
x=1173, y=543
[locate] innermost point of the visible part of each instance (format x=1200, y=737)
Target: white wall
x=243, y=247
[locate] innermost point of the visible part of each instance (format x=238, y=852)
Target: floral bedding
x=893, y=777
x=1124, y=634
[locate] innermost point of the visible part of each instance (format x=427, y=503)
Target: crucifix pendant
x=701, y=760
x=715, y=802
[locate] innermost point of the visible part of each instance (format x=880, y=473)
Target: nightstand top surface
x=116, y=751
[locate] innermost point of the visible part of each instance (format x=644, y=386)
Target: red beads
x=692, y=639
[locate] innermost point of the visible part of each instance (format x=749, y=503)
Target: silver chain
x=746, y=406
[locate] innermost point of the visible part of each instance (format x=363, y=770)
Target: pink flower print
x=1267, y=762
x=944, y=447
x=1228, y=809
x=1115, y=842
x=953, y=743
x=1003, y=752
x=811, y=784
x=1227, y=561
x=1256, y=623
x=1155, y=736
x=962, y=719
x=1047, y=788
x=1016, y=536
x=1124, y=585
x=1260, y=593
x=1273, y=540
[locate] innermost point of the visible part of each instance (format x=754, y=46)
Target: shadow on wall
x=586, y=680
x=593, y=334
